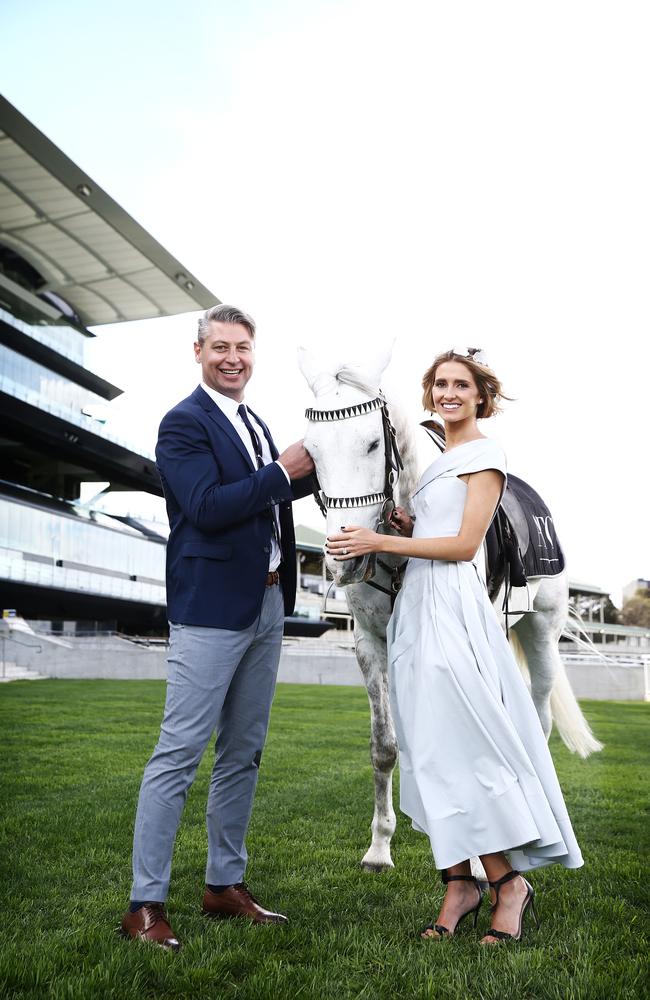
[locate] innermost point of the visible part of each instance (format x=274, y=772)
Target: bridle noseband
x=393, y=465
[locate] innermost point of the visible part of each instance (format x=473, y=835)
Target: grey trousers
x=220, y=679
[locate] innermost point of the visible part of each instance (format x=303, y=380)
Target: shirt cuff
x=284, y=470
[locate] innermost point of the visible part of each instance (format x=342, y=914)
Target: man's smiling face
x=227, y=358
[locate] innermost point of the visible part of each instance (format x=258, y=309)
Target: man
x=231, y=578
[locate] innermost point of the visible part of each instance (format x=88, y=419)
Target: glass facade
x=81, y=552
x=48, y=544
x=26, y=380
x=63, y=339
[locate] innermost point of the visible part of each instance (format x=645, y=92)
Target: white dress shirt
x=229, y=407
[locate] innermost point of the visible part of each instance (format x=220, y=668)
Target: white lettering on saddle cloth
x=544, y=524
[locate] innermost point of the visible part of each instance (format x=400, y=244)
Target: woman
x=476, y=773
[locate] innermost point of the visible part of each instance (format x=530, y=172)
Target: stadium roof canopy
x=87, y=252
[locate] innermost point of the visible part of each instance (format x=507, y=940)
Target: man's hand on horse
x=354, y=542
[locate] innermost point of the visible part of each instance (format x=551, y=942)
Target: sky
x=358, y=173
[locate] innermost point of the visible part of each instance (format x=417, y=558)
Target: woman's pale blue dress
x=476, y=774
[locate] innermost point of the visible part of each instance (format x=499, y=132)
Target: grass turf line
x=70, y=768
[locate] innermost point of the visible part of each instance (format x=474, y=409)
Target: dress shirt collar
x=225, y=403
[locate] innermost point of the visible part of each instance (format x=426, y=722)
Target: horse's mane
x=352, y=376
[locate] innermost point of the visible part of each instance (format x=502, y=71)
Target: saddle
x=506, y=541
x=533, y=530
x=521, y=542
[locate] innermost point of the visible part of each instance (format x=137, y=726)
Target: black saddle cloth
x=522, y=537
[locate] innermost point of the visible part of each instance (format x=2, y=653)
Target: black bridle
x=393, y=465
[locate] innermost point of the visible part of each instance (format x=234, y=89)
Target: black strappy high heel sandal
x=443, y=931
x=529, y=901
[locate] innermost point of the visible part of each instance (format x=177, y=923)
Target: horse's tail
x=519, y=654
x=571, y=724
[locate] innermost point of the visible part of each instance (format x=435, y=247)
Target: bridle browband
x=393, y=465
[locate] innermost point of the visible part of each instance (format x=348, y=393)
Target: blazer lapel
x=222, y=422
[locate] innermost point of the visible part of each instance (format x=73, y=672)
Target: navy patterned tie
x=257, y=448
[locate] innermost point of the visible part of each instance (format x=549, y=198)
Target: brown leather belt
x=272, y=578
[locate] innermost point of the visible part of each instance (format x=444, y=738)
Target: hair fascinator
x=476, y=354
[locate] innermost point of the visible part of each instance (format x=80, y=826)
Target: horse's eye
x=375, y=444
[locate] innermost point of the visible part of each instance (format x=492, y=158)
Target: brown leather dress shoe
x=237, y=901
x=150, y=923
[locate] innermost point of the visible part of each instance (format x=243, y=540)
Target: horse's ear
x=380, y=362
x=309, y=365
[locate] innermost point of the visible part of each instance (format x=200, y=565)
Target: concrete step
x=11, y=672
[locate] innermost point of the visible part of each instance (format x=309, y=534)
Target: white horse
x=348, y=436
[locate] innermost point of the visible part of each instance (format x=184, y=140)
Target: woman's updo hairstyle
x=487, y=383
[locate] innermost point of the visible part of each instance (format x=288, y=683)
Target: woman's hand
x=402, y=522
x=352, y=543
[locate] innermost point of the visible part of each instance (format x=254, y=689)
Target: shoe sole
x=143, y=940
x=238, y=916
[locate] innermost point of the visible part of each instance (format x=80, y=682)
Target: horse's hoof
x=377, y=866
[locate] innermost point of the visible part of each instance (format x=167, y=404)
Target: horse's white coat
x=349, y=459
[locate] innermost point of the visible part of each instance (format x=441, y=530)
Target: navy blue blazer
x=220, y=514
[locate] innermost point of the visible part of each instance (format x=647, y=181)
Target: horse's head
x=345, y=437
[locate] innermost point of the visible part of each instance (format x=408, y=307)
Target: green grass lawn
x=72, y=754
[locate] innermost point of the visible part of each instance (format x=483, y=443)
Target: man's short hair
x=224, y=314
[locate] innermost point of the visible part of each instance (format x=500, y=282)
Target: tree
x=636, y=611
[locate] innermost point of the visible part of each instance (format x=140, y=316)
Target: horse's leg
x=538, y=635
x=534, y=637
x=371, y=656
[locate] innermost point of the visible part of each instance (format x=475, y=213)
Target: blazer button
x=267, y=548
